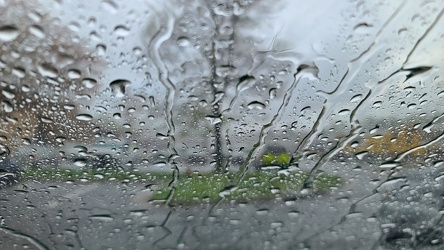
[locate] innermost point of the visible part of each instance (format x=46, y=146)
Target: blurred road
x=120, y=216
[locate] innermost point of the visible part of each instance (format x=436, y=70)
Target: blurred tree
x=44, y=69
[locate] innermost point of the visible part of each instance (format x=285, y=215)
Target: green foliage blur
x=270, y=159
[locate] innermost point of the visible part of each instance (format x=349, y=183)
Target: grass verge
x=195, y=187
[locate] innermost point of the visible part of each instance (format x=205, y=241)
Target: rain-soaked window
x=221, y=124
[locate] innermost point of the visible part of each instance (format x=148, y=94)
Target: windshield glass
x=222, y=124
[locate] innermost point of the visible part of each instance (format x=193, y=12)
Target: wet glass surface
x=222, y=124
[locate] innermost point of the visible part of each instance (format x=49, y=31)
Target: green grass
x=195, y=187
x=255, y=186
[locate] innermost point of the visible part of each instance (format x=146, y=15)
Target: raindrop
x=121, y=30
x=390, y=165
x=8, y=94
x=110, y=6
x=63, y=59
x=273, y=93
x=101, y=50
x=47, y=120
x=26, y=88
x=47, y=70
x=74, y=74
x=84, y=117
x=118, y=87
x=7, y=107
x=293, y=214
x=402, y=31
x=89, y=83
x=362, y=27
x=152, y=102
x=80, y=162
x=213, y=120
x=183, y=42
x=160, y=164
x=140, y=98
x=99, y=176
x=83, y=96
x=19, y=72
x=356, y=98
x=8, y=33
x=226, y=70
x=256, y=105
x=60, y=139
x=262, y=211
x=69, y=107
x=81, y=148
x=439, y=178
x=26, y=141
x=377, y=104
x=37, y=31
x=361, y=155
x=344, y=112
x=117, y=116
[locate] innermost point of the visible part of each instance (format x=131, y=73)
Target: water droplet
x=99, y=176
x=47, y=120
x=101, y=50
x=84, y=117
x=7, y=107
x=26, y=141
x=8, y=94
x=377, y=104
x=362, y=27
x=118, y=87
x=110, y=6
x=19, y=72
x=356, y=98
x=402, y=31
x=152, y=102
x=390, y=165
x=344, y=112
x=74, y=74
x=117, y=116
x=89, y=83
x=262, y=211
x=83, y=96
x=8, y=33
x=102, y=217
x=60, y=139
x=37, y=31
x=69, y=107
x=62, y=59
x=213, y=120
x=183, y=42
x=273, y=93
x=47, y=70
x=411, y=106
x=26, y=88
x=121, y=30
x=256, y=105
x=361, y=155
x=80, y=162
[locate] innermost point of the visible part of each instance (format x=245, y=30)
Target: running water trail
x=35, y=242
x=261, y=140
x=166, y=23
x=329, y=107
